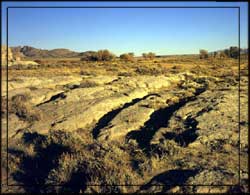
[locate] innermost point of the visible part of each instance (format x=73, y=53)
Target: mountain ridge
x=29, y=51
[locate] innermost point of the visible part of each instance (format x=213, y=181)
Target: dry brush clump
x=150, y=70
x=127, y=57
x=149, y=55
x=20, y=106
x=231, y=52
x=203, y=54
x=88, y=84
x=101, y=55
x=66, y=159
x=125, y=74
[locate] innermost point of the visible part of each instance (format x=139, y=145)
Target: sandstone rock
x=41, y=82
x=23, y=63
x=97, y=110
x=4, y=55
x=43, y=95
x=13, y=58
x=14, y=125
x=128, y=119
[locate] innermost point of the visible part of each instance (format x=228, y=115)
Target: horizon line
x=73, y=50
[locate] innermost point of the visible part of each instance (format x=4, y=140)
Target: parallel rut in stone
x=160, y=119
x=107, y=118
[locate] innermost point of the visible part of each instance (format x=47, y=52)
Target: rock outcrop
x=4, y=54
x=14, y=58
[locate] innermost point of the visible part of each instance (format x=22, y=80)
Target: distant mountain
x=27, y=51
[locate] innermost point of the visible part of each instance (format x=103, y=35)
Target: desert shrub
x=101, y=55
x=105, y=55
x=17, y=105
x=20, y=106
x=215, y=54
x=203, y=54
x=32, y=88
x=16, y=67
x=63, y=61
x=89, y=56
x=125, y=74
x=127, y=56
x=65, y=158
x=234, y=52
x=227, y=52
x=149, y=55
x=31, y=67
x=88, y=84
x=175, y=67
x=222, y=54
x=84, y=72
x=165, y=148
x=148, y=71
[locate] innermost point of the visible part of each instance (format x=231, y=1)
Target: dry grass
x=161, y=65
x=20, y=106
x=76, y=158
x=87, y=84
x=64, y=158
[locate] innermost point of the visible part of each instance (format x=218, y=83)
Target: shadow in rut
x=186, y=137
x=76, y=183
x=104, y=121
x=53, y=98
x=169, y=179
x=160, y=118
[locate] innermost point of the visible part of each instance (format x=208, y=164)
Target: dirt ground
x=176, y=124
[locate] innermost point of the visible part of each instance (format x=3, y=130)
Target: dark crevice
x=204, y=110
x=158, y=119
x=105, y=120
x=113, y=81
x=170, y=179
x=72, y=86
x=186, y=137
x=53, y=98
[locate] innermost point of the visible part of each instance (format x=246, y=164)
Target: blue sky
x=138, y=30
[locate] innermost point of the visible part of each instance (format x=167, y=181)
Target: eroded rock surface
x=181, y=126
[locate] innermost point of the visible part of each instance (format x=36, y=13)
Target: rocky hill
x=28, y=51
x=15, y=57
